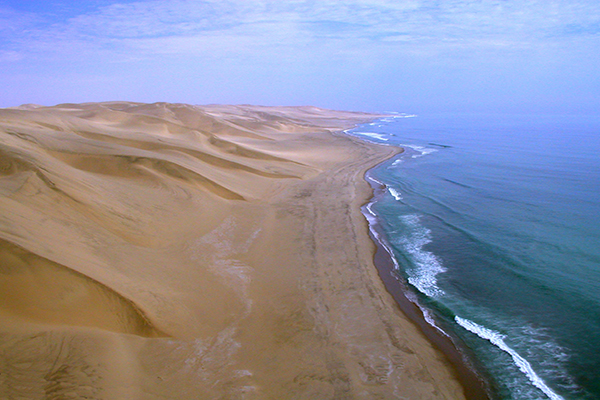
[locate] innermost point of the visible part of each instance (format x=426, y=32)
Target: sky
x=409, y=56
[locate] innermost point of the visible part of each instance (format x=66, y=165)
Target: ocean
x=494, y=226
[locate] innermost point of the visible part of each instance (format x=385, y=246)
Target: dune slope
x=169, y=251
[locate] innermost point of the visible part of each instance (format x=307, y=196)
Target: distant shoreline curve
x=474, y=385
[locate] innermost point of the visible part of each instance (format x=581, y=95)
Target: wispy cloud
x=289, y=45
x=16, y=23
x=184, y=26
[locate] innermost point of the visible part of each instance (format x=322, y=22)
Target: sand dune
x=169, y=251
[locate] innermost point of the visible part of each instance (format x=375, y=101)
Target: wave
x=420, y=150
x=370, y=178
x=372, y=220
x=374, y=135
x=395, y=193
x=457, y=183
x=497, y=340
x=426, y=264
x=395, y=116
x=443, y=146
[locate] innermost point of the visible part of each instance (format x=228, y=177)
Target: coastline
x=198, y=251
x=438, y=236
x=475, y=387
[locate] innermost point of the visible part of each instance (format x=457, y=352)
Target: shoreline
x=199, y=252
x=475, y=387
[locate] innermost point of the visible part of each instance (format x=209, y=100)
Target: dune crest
x=177, y=251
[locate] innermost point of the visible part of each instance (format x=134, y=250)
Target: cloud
x=10, y=56
x=155, y=19
x=293, y=43
x=189, y=24
x=13, y=22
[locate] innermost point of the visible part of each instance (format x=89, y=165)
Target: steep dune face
x=169, y=251
x=36, y=289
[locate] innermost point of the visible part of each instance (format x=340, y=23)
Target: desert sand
x=169, y=251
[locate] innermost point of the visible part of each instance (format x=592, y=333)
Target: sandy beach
x=169, y=251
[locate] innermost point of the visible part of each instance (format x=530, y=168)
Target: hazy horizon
x=368, y=55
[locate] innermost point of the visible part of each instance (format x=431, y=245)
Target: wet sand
x=476, y=387
x=168, y=251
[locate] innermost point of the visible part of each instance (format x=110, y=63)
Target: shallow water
x=494, y=221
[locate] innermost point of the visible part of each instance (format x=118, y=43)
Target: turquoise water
x=494, y=221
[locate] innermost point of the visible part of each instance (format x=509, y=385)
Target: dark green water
x=494, y=221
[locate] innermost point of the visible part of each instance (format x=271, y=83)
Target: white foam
x=374, y=135
x=420, y=150
x=424, y=152
x=396, y=194
x=426, y=313
x=370, y=210
x=390, y=252
x=428, y=316
x=396, y=116
x=497, y=340
x=375, y=180
x=372, y=220
x=427, y=265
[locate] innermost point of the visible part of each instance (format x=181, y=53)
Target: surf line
x=497, y=340
x=474, y=386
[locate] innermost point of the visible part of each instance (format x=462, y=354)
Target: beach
x=169, y=251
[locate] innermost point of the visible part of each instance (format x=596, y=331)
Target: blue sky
x=372, y=55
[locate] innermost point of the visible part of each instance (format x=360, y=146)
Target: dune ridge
x=162, y=251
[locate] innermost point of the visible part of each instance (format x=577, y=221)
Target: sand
x=169, y=251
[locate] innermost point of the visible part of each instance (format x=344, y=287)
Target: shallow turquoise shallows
x=494, y=221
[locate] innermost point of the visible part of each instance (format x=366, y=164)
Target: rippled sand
x=168, y=251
